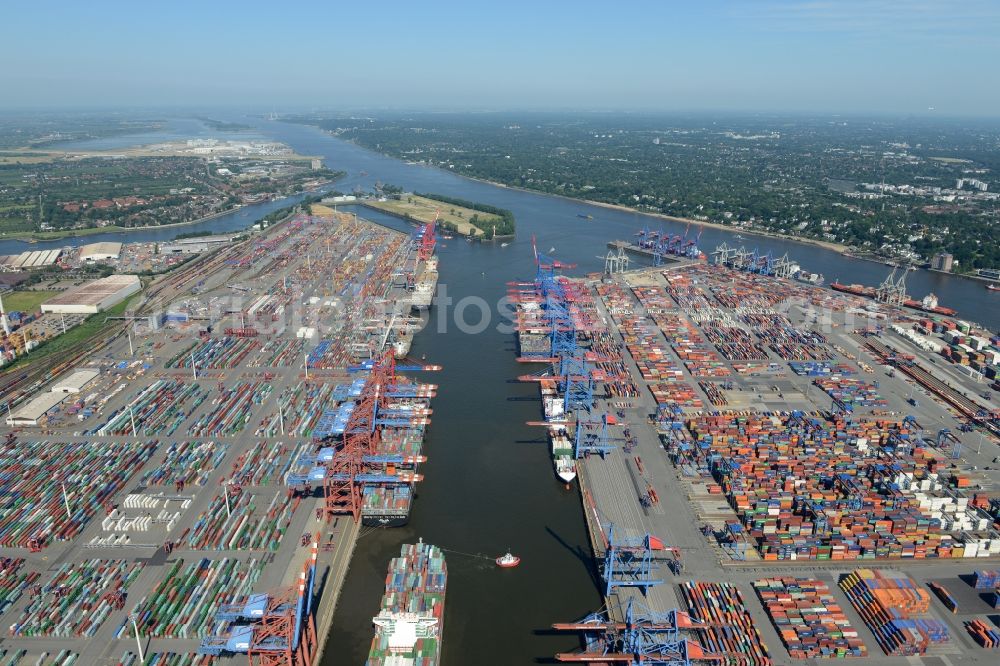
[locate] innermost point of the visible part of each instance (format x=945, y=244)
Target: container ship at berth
x=393, y=469
x=928, y=304
x=562, y=453
x=425, y=285
x=388, y=505
x=410, y=624
x=535, y=345
x=561, y=447
x=815, y=279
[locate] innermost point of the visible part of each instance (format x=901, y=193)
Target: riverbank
x=37, y=236
x=835, y=247
x=32, y=236
x=166, y=149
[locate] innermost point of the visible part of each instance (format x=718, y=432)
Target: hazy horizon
x=853, y=58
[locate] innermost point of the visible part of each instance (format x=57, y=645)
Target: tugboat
x=508, y=561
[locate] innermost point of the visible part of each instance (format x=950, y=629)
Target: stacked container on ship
x=426, y=284
x=562, y=453
x=410, y=623
x=388, y=505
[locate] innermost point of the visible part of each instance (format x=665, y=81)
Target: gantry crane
x=592, y=435
x=356, y=461
x=426, y=238
x=643, y=637
x=276, y=629
x=691, y=249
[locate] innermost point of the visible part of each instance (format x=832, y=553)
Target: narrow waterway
x=488, y=486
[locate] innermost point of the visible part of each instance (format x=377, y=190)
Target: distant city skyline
x=852, y=56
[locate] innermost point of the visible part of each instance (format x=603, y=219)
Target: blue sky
x=854, y=56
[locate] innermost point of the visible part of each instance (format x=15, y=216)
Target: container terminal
x=190, y=490
x=771, y=471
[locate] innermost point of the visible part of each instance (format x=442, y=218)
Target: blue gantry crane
x=642, y=637
x=945, y=437
x=628, y=562
x=593, y=435
x=271, y=629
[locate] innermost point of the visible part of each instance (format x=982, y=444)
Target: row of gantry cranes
x=661, y=244
x=627, y=630
x=754, y=261
x=278, y=628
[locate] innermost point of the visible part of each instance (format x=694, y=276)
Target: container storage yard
x=759, y=432
x=217, y=455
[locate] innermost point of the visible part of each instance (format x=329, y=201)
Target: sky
x=837, y=56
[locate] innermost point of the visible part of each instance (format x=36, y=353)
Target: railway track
x=965, y=405
x=19, y=383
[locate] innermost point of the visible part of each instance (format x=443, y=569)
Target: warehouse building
x=29, y=259
x=95, y=296
x=74, y=383
x=30, y=413
x=195, y=245
x=100, y=252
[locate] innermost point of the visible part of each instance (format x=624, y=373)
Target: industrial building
x=95, y=296
x=29, y=260
x=942, y=262
x=100, y=252
x=31, y=412
x=194, y=245
x=75, y=382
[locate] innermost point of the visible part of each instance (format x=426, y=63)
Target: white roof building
x=30, y=413
x=100, y=251
x=74, y=383
x=94, y=296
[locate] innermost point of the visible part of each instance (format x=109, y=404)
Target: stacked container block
x=808, y=618
x=889, y=606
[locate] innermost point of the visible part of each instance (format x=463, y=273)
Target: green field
x=422, y=209
x=93, y=326
x=26, y=301
x=69, y=233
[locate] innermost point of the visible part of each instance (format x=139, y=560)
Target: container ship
x=561, y=447
x=389, y=504
x=815, y=279
x=928, y=304
x=410, y=624
x=401, y=345
x=425, y=286
x=562, y=454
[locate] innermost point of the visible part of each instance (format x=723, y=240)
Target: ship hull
x=869, y=292
x=566, y=477
x=409, y=628
x=385, y=520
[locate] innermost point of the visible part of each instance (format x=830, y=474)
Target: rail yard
x=771, y=472
x=194, y=491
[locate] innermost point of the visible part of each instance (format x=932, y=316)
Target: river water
x=488, y=482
